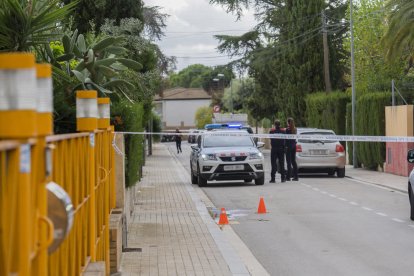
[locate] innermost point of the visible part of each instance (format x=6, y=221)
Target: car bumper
x=252, y=170
x=313, y=162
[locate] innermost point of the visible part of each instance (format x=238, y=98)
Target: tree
x=190, y=77
x=203, y=116
x=274, y=51
x=25, y=25
x=372, y=72
x=90, y=15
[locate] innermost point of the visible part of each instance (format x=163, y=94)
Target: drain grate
x=132, y=249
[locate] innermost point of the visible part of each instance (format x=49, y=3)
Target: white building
x=177, y=107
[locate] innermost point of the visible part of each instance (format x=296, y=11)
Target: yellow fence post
x=18, y=121
x=45, y=127
x=87, y=120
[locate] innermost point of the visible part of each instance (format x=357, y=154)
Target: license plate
x=233, y=167
x=318, y=152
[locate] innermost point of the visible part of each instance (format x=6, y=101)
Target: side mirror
x=260, y=145
x=195, y=147
x=410, y=156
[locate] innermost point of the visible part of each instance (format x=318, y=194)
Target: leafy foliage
x=327, y=111
x=275, y=55
x=129, y=117
x=90, y=15
x=203, y=116
x=370, y=121
x=25, y=25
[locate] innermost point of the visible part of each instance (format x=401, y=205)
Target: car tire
x=340, y=172
x=411, y=198
x=200, y=180
x=194, y=179
x=259, y=181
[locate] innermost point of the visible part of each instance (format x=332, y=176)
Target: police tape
x=318, y=137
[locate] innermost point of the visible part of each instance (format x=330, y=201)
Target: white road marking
x=323, y=192
x=381, y=214
x=411, y=225
x=366, y=208
x=315, y=189
x=343, y=199
x=353, y=203
x=331, y=195
x=397, y=220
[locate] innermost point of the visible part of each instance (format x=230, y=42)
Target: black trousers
x=277, y=155
x=178, y=144
x=292, y=166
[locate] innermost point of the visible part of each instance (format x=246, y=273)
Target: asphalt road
x=319, y=225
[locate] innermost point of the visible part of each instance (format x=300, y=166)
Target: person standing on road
x=292, y=167
x=178, y=138
x=277, y=153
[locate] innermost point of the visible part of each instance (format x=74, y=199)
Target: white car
x=320, y=155
x=226, y=155
x=410, y=159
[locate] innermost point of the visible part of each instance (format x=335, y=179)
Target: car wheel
x=331, y=172
x=194, y=179
x=411, y=197
x=259, y=181
x=340, y=172
x=201, y=181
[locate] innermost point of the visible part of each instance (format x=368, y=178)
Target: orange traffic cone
x=262, y=208
x=223, y=217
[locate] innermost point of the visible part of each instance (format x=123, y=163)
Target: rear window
x=317, y=133
x=226, y=141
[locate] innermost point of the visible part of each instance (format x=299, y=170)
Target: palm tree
x=25, y=24
x=399, y=39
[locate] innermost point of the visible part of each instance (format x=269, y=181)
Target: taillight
x=298, y=148
x=339, y=148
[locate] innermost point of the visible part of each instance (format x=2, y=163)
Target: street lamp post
x=354, y=154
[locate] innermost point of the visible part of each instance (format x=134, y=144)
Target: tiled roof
x=183, y=94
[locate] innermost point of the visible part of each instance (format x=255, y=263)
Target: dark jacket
x=290, y=143
x=277, y=144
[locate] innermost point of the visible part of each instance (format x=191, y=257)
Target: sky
x=191, y=27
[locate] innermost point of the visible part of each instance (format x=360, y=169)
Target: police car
x=226, y=155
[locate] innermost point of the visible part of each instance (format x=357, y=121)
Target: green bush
x=129, y=117
x=156, y=126
x=327, y=111
x=349, y=132
x=370, y=121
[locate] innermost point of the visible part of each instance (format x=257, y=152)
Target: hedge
x=327, y=111
x=370, y=121
x=129, y=117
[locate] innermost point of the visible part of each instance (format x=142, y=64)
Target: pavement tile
x=167, y=226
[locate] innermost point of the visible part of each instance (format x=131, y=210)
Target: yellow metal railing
x=83, y=165
x=30, y=157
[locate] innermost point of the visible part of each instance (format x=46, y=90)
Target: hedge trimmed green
x=129, y=117
x=370, y=121
x=327, y=111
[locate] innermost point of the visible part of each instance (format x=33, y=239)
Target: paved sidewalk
x=170, y=228
x=395, y=182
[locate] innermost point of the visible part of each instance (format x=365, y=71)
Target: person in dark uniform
x=277, y=153
x=178, y=138
x=292, y=167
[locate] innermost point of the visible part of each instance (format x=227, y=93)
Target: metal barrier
x=82, y=164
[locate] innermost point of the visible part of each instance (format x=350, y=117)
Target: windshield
x=318, y=133
x=227, y=141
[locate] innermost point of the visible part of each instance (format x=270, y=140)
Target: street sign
x=216, y=109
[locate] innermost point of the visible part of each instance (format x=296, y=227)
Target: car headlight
x=207, y=157
x=255, y=155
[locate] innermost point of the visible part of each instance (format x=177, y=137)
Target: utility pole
x=354, y=145
x=328, y=85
